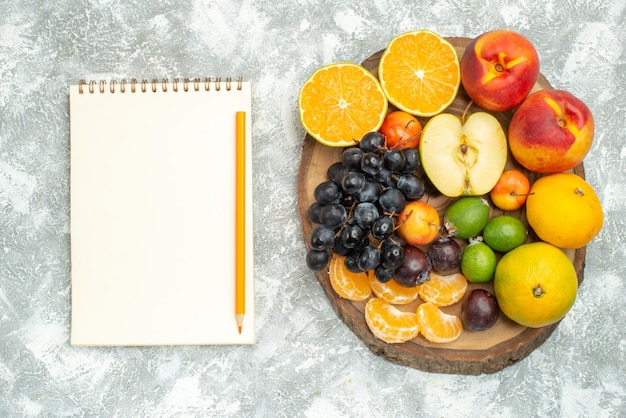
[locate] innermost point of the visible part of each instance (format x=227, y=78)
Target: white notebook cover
x=153, y=215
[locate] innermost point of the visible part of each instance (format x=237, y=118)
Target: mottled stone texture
x=306, y=362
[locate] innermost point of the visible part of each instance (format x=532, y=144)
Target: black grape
x=371, y=163
x=317, y=259
x=369, y=258
x=351, y=158
x=353, y=182
x=392, y=200
x=366, y=214
x=411, y=186
x=394, y=159
x=313, y=212
x=333, y=215
x=327, y=192
x=412, y=160
x=372, y=142
x=321, y=238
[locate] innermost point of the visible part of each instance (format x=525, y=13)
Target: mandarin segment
x=443, y=290
x=420, y=73
x=348, y=285
x=390, y=324
x=392, y=292
x=341, y=102
x=437, y=326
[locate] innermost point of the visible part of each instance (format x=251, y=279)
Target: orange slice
x=339, y=103
x=390, y=324
x=443, y=290
x=437, y=326
x=420, y=72
x=392, y=292
x=348, y=285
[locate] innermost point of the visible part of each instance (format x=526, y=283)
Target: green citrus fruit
x=478, y=262
x=504, y=232
x=466, y=217
x=535, y=284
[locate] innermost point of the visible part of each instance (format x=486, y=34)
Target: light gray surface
x=306, y=361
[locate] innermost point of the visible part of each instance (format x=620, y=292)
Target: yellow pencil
x=240, y=229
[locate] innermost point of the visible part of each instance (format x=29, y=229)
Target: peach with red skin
x=499, y=69
x=401, y=130
x=551, y=132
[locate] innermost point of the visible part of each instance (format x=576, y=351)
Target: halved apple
x=463, y=159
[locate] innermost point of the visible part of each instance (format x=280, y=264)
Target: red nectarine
x=498, y=69
x=551, y=132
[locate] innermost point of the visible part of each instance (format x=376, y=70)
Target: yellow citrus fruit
x=348, y=285
x=535, y=284
x=437, y=326
x=564, y=210
x=443, y=290
x=390, y=324
x=420, y=72
x=392, y=292
x=339, y=103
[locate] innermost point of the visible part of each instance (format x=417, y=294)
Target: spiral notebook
x=154, y=194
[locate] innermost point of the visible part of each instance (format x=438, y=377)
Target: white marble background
x=306, y=361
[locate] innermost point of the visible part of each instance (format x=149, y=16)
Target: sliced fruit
x=390, y=324
x=341, y=102
x=392, y=292
x=437, y=326
x=420, y=72
x=443, y=290
x=348, y=285
x=463, y=158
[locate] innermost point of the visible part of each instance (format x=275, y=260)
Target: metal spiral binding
x=153, y=85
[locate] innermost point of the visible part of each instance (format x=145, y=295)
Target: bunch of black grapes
x=356, y=208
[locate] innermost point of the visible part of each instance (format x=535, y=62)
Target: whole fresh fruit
x=445, y=255
x=418, y=223
x=401, y=130
x=480, y=311
x=463, y=158
x=504, y=232
x=535, y=284
x=466, y=217
x=478, y=262
x=511, y=190
x=551, y=132
x=498, y=69
x=564, y=210
x=414, y=269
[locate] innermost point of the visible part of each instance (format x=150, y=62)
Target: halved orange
x=348, y=285
x=340, y=103
x=437, y=326
x=443, y=290
x=420, y=72
x=392, y=292
x=389, y=323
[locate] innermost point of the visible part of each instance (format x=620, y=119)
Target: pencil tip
x=240, y=329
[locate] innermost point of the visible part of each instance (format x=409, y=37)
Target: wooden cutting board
x=473, y=352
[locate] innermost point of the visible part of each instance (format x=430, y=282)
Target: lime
x=478, y=262
x=504, y=232
x=467, y=216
